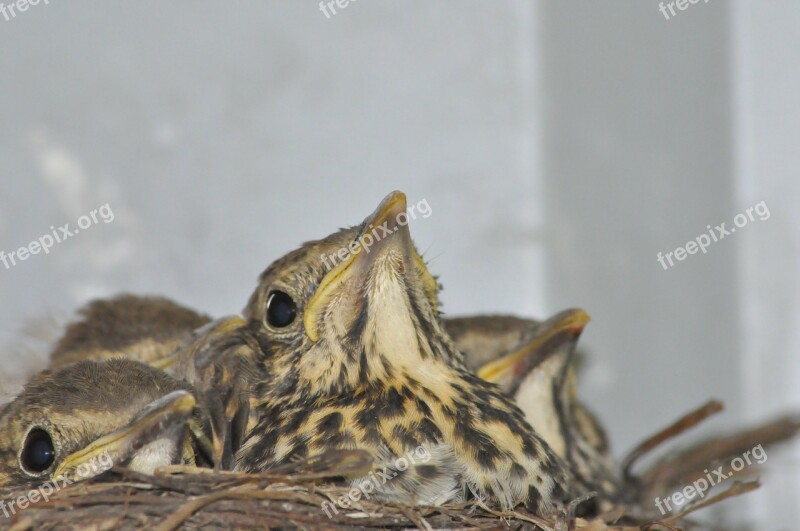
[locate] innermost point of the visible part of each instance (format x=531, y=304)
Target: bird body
x=357, y=358
x=190, y=406
x=373, y=368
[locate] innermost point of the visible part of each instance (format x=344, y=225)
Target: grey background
x=560, y=145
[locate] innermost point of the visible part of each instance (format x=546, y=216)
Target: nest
x=219, y=500
x=306, y=495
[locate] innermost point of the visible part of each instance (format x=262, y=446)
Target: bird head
x=350, y=308
x=546, y=354
x=80, y=420
x=130, y=326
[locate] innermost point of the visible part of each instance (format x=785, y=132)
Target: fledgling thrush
x=539, y=374
x=357, y=359
x=97, y=412
x=218, y=358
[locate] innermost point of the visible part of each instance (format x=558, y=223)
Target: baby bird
x=218, y=358
x=77, y=421
x=540, y=375
x=357, y=359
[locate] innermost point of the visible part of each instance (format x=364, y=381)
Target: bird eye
x=38, y=452
x=281, y=309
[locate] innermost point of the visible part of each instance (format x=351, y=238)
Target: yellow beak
x=514, y=366
x=357, y=265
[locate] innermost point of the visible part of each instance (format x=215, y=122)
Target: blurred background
x=560, y=145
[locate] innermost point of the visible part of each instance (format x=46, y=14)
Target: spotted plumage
x=357, y=358
x=222, y=361
x=539, y=373
x=508, y=350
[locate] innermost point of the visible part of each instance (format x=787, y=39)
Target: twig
x=676, y=428
x=689, y=463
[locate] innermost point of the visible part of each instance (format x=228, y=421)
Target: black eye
x=281, y=309
x=38, y=453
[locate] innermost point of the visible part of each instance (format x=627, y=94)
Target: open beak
x=164, y=420
x=562, y=330
x=384, y=231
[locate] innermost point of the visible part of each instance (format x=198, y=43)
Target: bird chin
x=164, y=451
x=381, y=248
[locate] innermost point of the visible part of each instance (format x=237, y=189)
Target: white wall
x=766, y=55
x=222, y=138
